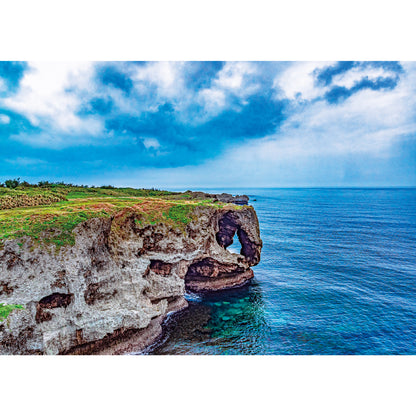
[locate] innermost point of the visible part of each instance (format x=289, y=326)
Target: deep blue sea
x=337, y=276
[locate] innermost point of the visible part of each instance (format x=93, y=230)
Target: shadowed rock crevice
x=55, y=300
x=160, y=267
x=97, y=292
x=209, y=267
x=11, y=259
x=209, y=275
x=227, y=229
x=6, y=289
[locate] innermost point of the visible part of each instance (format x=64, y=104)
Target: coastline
x=130, y=341
x=107, y=285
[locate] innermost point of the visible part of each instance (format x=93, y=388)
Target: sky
x=209, y=124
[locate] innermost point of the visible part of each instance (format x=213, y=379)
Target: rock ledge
x=111, y=291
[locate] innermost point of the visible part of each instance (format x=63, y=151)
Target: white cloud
x=4, y=119
x=151, y=143
x=235, y=79
x=45, y=96
x=369, y=122
x=298, y=81
x=234, y=76
x=213, y=100
x=316, y=133
x=349, y=78
x=320, y=143
x=166, y=76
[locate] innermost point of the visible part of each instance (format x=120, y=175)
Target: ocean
x=337, y=276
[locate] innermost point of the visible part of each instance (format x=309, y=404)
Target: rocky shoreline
x=112, y=290
x=128, y=341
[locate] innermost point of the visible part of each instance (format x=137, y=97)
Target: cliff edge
x=109, y=289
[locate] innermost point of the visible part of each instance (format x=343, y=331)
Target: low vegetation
x=13, y=198
x=49, y=212
x=14, y=193
x=6, y=309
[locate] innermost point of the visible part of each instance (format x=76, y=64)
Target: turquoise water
x=337, y=276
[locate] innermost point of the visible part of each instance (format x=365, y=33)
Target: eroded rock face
x=111, y=291
x=245, y=225
x=209, y=275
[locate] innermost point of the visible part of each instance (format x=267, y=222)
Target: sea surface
x=337, y=276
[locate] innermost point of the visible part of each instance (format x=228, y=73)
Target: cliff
x=109, y=289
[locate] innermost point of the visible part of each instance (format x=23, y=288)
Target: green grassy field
x=33, y=195
x=49, y=214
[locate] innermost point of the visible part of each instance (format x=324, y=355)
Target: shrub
x=44, y=184
x=12, y=183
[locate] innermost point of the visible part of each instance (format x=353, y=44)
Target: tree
x=12, y=183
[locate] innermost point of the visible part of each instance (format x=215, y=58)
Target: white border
x=215, y=30
x=267, y=385
x=207, y=30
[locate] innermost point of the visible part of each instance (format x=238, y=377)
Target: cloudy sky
x=209, y=124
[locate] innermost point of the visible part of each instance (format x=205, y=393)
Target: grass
x=6, y=309
x=82, y=192
x=179, y=213
x=33, y=195
x=54, y=222
x=54, y=227
x=12, y=198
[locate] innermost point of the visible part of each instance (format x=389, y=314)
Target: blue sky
x=209, y=124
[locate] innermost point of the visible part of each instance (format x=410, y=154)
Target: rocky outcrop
x=224, y=197
x=111, y=291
